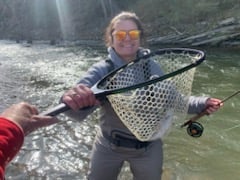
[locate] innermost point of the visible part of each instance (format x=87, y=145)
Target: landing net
x=149, y=111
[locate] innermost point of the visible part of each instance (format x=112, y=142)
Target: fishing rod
x=195, y=129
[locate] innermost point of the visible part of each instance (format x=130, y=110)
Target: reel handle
x=195, y=129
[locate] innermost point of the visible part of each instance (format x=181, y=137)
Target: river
x=40, y=73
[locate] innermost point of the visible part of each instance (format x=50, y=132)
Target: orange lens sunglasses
x=133, y=34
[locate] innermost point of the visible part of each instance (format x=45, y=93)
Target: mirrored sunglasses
x=121, y=35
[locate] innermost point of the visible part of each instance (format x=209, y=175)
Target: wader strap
x=121, y=141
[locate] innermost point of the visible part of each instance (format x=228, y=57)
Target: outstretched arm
x=15, y=122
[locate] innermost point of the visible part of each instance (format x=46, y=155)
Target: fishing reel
x=195, y=129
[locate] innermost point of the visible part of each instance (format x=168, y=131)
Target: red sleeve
x=11, y=141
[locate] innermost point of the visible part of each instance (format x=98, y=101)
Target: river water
x=40, y=73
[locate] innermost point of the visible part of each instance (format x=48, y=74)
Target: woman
x=114, y=143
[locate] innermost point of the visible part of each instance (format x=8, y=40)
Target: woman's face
x=125, y=46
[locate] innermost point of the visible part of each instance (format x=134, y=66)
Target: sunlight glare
x=64, y=19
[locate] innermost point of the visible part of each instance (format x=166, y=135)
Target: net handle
x=62, y=107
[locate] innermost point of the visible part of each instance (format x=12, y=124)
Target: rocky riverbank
x=225, y=34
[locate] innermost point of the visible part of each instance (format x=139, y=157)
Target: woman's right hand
x=79, y=97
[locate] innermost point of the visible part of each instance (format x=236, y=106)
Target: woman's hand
x=213, y=105
x=79, y=97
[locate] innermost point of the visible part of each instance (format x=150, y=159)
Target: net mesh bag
x=149, y=111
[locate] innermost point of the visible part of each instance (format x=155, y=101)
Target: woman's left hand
x=213, y=105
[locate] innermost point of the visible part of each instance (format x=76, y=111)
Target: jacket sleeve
x=11, y=141
x=197, y=104
x=93, y=75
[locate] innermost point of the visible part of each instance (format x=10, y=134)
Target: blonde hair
x=122, y=16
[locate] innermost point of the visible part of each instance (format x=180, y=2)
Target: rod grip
x=194, y=118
